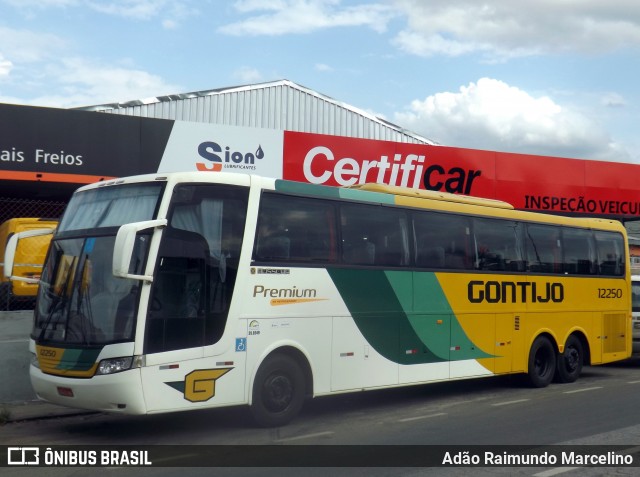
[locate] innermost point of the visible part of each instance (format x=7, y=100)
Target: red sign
x=549, y=184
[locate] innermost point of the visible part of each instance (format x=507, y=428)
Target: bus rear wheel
x=569, y=364
x=278, y=391
x=542, y=362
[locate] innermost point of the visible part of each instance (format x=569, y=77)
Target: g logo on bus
x=200, y=385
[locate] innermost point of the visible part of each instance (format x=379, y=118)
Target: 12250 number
x=609, y=292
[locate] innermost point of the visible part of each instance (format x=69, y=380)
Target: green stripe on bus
x=307, y=189
x=379, y=314
x=78, y=359
x=333, y=192
x=431, y=305
x=367, y=196
x=403, y=330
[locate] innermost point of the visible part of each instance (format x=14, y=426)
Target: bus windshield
x=80, y=301
x=111, y=206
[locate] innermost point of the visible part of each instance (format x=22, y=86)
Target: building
x=284, y=130
x=282, y=105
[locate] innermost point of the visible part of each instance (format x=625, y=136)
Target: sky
x=546, y=77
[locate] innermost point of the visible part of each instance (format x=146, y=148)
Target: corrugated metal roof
x=282, y=104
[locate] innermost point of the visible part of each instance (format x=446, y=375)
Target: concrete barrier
x=15, y=385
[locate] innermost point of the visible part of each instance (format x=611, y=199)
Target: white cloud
x=280, y=17
x=174, y=11
x=496, y=29
x=81, y=83
x=138, y=9
x=27, y=46
x=501, y=29
x=5, y=67
x=490, y=114
x=40, y=4
x=322, y=67
x=33, y=64
x=247, y=74
x=170, y=24
x=613, y=100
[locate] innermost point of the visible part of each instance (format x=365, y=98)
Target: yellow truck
x=28, y=259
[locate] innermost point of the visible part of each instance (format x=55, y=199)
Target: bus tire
x=569, y=363
x=278, y=391
x=542, y=362
x=5, y=295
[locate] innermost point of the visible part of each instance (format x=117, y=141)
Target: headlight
x=34, y=361
x=114, y=365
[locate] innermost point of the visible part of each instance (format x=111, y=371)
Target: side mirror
x=10, y=253
x=123, y=248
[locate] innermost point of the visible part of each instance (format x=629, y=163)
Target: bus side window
x=374, y=235
x=611, y=255
x=543, y=248
x=442, y=241
x=579, y=252
x=429, y=257
x=275, y=247
x=497, y=244
x=295, y=229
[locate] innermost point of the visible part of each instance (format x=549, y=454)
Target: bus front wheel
x=542, y=362
x=278, y=391
x=569, y=365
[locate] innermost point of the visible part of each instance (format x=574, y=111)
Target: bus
x=182, y=291
x=28, y=258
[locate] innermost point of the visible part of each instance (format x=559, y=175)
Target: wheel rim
x=571, y=359
x=277, y=392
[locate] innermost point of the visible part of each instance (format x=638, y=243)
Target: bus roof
x=433, y=195
x=375, y=193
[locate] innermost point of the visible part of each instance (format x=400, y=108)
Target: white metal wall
x=280, y=105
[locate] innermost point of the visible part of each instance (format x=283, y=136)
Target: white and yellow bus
x=198, y=290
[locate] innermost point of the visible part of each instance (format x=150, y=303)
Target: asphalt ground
x=24, y=411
